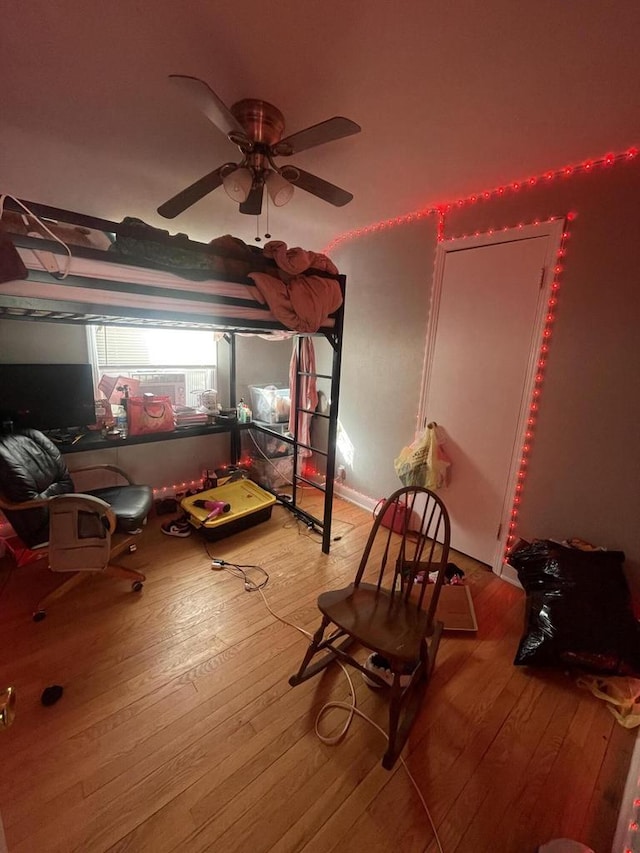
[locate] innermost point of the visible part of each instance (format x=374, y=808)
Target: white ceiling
x=452, y=97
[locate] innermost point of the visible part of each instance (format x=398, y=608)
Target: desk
x=95, y=441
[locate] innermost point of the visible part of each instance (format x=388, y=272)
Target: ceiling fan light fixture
x=237, y=184
x=279, y=189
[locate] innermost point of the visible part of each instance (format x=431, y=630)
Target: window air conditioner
x=173, y=385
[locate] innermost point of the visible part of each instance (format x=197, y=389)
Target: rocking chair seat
x=380, y=620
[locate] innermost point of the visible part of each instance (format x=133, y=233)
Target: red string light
x=587, y=167
x=176, y=487
x=536, y=393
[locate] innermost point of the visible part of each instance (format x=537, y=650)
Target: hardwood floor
x=178, y=731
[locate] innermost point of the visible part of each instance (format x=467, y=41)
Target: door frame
x=553, y=229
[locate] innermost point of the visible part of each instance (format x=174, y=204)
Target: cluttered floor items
x=234, y=505
x=217, y=667
x=579, y=617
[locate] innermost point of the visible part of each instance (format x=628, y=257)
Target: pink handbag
x=396, y=518
x=150, y=414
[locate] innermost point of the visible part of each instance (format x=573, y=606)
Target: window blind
x=119, y=346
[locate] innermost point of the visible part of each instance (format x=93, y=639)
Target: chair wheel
x=136, y=586
x=39, y=615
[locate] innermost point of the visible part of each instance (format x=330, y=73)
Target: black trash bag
x=578, y=610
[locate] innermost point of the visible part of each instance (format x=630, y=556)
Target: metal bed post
x=235, y=433
x=335, y=339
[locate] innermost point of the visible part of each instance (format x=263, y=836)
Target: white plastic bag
x=621, y=693
x=425, y=462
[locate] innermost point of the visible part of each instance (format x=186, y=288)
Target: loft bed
x=130, y=274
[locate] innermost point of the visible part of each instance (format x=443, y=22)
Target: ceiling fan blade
x=316, y=186
x=333, y=128
x=208, y=102
x=184, y=199
x=253, y=204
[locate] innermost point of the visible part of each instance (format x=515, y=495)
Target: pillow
x=578, y=610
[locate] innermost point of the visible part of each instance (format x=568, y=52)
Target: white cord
x=352, y=709
x=62, y=273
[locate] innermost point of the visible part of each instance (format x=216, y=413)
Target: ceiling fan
x=256, y=127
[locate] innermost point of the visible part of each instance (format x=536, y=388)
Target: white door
x=485, y=329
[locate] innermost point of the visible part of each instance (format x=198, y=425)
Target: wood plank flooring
x=178, y=731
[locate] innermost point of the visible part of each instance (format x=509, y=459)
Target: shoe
x=452, y=572
x=380, y=665
x=178, y=527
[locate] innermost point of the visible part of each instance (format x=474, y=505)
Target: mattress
x=122, y=289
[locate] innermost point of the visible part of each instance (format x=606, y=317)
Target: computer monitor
x=46, y=396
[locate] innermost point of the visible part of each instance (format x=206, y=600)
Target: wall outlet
x=342, y=474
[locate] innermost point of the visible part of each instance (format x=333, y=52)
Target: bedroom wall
x=386, y=308
x=583, y=478
x=29, y=342
x=586, y=457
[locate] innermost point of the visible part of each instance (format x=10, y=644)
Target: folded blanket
x=302, y=305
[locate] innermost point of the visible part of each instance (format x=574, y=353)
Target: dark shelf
x=95, y=441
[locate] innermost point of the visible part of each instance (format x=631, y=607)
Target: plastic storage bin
x=259, y=444
x=270, y=403
x=273, y=473
x=249, y=503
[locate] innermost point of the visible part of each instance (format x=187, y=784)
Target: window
x=179, y=363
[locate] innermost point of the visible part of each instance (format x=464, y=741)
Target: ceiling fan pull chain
x=267, y=236
x=258, y=238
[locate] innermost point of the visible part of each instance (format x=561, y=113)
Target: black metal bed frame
x=81, y=312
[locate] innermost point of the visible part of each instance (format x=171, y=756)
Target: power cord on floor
x=240, y=570
x=349, y=707
x=299, y=521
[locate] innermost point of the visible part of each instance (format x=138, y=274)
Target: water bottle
x=121, y=422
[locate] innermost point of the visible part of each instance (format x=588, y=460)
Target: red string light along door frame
x=550, y=303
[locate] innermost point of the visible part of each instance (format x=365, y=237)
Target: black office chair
x=79, y=533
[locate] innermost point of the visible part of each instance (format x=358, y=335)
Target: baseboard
x=626, y=837
x=509, y=574
x=354, y=497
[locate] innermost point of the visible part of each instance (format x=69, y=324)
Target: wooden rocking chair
x=383, y=608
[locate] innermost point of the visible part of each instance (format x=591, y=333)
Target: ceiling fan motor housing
x=262, y=122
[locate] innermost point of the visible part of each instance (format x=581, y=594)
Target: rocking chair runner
x=383, y=608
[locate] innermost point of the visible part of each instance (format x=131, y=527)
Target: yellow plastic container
x=249, y=505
